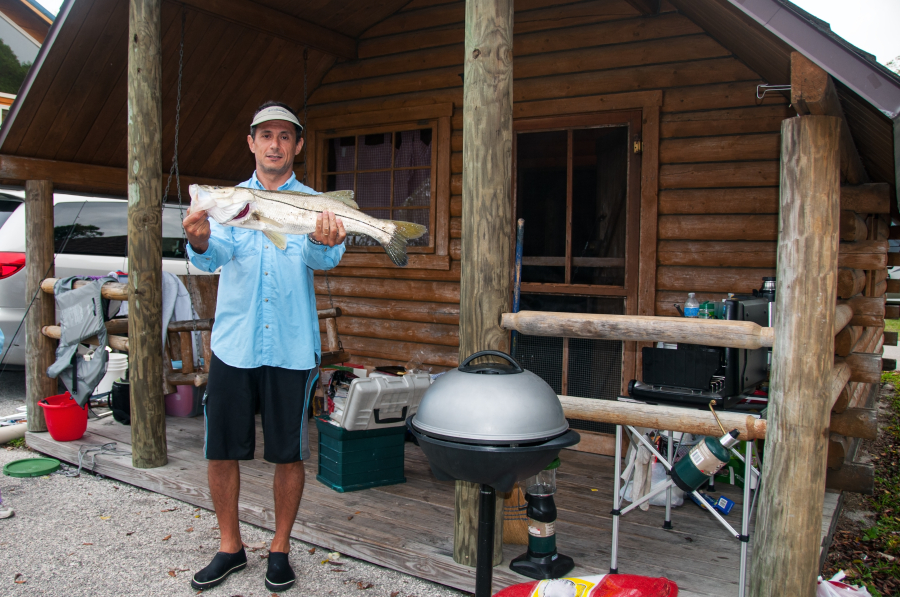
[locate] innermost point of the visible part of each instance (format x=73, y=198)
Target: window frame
x=437, y=117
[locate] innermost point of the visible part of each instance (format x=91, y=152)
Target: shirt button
x=267, y=300
x=266, y=273
x=267, y=246
x=267, y=327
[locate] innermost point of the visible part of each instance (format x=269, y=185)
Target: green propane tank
x=704, y=460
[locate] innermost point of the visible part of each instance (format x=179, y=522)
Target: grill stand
x=484, y=568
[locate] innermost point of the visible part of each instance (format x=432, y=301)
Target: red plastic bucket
x=66, y=421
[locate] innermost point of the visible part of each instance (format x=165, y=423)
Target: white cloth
x=176, y=306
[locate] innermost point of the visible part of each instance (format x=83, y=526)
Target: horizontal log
x=334, y=357
x=456, y=186
x=867, y=311
x=118, y=327
x=893, y=259
x=409, y=331
x=698, y=422
x=864, y=367
x=840, y=376
x=718, y=96
x=110, y=290
x=187, y=379
x=114, y=342
x=843, y=398
x=846, y=339
x=456, y=249
x=449, y=273
x=197, y=325
x=712, y=332
x=737, y=121
x=720, y=149
x=428, y=291
x=719, y=227
x=882, y=228
x=879, y=289
x=456, y=206
x=763, y=200
x=842, y=316
x=856, y=422
x=327, y=313
x=892, y=286
x=865, y=255
x=853, y=227
x=852, y=476
x=880, y=274
x=445, y=356
x=837, y=451
x=888, y=364
x=892, y=312
x=850, y=282
x=873, y=198
x=398, y=310
x=890, y=338
x=710, y=279
x=716, y=175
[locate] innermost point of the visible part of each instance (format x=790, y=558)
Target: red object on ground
x=66, y=421
x=604, y=585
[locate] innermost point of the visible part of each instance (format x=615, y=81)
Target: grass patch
x=872, y=557
x=19, y=442
x=892, y=325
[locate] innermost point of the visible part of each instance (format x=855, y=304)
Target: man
x=266, y=348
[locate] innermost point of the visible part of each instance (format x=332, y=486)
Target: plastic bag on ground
x=836, y=588
x=603, y=585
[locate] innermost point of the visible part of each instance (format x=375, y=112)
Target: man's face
x=275, y=146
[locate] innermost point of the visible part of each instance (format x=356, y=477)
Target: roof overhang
x=876, y=85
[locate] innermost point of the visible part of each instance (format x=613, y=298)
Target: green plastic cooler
x=354, y=460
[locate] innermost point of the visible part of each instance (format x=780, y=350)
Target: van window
x=101, y=228
x=7, y=206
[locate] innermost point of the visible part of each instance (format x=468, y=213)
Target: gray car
x=91, y=238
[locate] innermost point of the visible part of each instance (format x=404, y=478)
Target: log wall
x=718, y=151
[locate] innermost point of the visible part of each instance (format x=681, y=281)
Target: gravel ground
x=91, y=536
x=12, y=389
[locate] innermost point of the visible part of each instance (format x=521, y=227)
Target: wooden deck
x=409, y=527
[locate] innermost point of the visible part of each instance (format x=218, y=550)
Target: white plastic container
x=691, y=306
x=379, y=402
x=115, y=369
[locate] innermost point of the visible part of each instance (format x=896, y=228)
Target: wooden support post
x=39, y=350
x=786, y=549
x=148, y=415
x=487, y=222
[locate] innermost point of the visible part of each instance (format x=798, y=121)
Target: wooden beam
x=148, y=407
x=39, y=350
x=853, y=227
x=864, y=367
x=647, y=8
x=115, y=342
x=850, y=282
x=837, y=385
x=713, y=332
x=855, y=422
x=698, y=422
x=853, y=476
x=786, y=543
x=279, y=24
x=111, y=290
x=872, y=198
x=890, y=338
x=87, y=178
x=487, y=221
x=813, y=92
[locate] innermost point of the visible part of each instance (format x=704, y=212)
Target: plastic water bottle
x=691, y=306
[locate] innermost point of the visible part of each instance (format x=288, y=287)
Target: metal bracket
x=767, y=88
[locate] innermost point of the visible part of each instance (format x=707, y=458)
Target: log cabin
x=645, y=159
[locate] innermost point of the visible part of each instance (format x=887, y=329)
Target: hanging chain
x=175, y=168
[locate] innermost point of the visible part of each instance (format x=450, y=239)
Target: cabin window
x=577, y=186
x=392, y=173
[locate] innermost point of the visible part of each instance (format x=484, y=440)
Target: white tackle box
x=380, y=402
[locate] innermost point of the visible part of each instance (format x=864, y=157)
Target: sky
x=866, y=24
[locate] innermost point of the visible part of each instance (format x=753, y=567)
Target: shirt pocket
x=246, y=243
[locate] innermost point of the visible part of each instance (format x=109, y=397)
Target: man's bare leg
x=225, y=488
x=288, y=489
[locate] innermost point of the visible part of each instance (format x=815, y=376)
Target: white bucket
x=115, y=369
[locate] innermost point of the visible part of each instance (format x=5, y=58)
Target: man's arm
x=208, y=249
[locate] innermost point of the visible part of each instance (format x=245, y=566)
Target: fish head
x=226, y=205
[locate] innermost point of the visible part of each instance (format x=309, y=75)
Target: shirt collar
x=285, y=187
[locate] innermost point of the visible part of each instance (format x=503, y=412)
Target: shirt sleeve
x=219, y=251
x=322, y=257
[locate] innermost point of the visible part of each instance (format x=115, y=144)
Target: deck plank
x=409, y=527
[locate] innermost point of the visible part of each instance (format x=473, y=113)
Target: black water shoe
x=218, y=570
x=279, y=576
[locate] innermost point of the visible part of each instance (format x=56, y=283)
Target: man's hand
x=329, y=229
x=196, y=228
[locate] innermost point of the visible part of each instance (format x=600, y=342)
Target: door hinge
x=638, y=146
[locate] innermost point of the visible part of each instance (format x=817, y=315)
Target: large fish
x=277, y=213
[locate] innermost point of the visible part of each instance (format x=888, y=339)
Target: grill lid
x=490, y=403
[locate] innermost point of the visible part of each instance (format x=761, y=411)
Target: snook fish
x=277, y=213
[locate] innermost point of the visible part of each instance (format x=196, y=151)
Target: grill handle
x=516, y=368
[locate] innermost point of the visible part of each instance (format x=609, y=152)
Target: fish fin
x=345, y=197
x=269, y=221
x=278, y=239
x=404, y=232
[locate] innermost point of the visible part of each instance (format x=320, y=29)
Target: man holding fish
x=265, y=340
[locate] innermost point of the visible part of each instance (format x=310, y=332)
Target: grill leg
x=485, y=557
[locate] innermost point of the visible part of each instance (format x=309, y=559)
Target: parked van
x=91, y=239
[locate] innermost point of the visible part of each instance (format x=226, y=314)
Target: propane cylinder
x=704, y=460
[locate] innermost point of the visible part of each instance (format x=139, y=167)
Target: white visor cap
x=275, y=113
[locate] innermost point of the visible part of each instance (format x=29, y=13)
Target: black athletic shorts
x=229, y=412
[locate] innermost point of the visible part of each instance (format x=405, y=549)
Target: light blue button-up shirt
x=266, y=307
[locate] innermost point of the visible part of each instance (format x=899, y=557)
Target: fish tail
x=403, y=233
